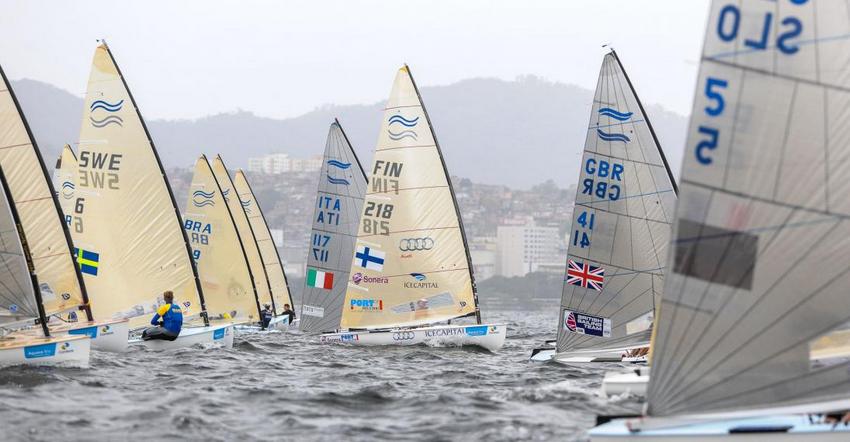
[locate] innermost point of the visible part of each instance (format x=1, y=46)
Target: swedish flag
x=88, y=261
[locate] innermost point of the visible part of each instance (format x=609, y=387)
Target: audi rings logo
x=403, y=336
x=416, y=244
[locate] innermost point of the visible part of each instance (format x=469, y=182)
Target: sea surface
x=287, y=386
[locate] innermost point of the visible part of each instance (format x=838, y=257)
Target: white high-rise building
x=524, y=247
x=279, y=163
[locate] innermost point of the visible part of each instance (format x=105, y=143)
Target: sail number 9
x=377, y=226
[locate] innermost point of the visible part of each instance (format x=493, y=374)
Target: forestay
x=219, y=256
x=759, y=263
x=339, y=200
x=410, y=263
x=130, y=244
x=17, y=296
x=246, y=233
x=265, y=243
x=32, y=190
x=621, y=223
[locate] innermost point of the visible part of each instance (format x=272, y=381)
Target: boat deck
x=19, y=340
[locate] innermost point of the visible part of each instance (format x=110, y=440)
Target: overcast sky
x=186, y=59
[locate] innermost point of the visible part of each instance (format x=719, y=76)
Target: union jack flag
x=585, y=275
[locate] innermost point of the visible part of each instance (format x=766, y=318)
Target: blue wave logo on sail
x=202, y=199
x=224, y=193
x=246, y=205
x=109, y=119
x=107, y=106
x=615, y=114
x=402, y=135
x=398, y=119
x=341, y=181
x=68, y=189
x=612, y=137
x=339, y=164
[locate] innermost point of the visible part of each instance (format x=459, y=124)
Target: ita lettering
x=99, y=170
x=329, y=209
x=602, y=179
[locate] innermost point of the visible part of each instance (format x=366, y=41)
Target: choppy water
x=287, y=386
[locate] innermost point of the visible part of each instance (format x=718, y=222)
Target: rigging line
x=12, y=146
x=832, y=87
x=406, y=189
x=588, y=205
x=619, y=123
x=784, y=146
x=756, y=303
x=779, y=320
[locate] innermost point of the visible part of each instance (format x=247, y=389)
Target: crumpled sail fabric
x=65, y=183
x=265, y=243
x=222, y=265
x=625, y=201
x=759, y=266
x=246, y=233
x=130, y=245
x=336, y=218
x=410, y=263
x=31, y=188
x=17, y=296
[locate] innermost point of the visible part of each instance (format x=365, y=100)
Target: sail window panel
x=760, y=134
x=838, y=138
x=714, y=254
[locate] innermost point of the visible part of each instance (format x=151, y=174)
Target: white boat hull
x=111, y=336
x=215, y=335
x=277, y=323
x=633, y=383
x=544, y=353
x=600, y=355
x=490, y=337
x=66, y=351
x=773, y=428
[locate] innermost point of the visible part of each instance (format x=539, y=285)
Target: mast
x=167, y=186
x=241, y=246
x=454, y=198
x=648, y=123
x=42, y=316
x=86, y=306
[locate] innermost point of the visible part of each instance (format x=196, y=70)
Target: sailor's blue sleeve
x=155, y=320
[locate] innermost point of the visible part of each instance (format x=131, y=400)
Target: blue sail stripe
x=107, y=106
x=612, y=137
x=341, y=181
x=403, y=121
x=112, y=119
x=339, y=164
x=615, y=114
x=402, y=135
x=204, y=194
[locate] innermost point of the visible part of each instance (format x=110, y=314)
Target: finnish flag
x=369, y=258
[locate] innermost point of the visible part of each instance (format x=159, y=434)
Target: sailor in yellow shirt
x=167, y=322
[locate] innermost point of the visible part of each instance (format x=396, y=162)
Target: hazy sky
x=185, y=59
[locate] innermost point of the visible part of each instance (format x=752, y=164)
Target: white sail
x=246, y=232
x=624, y=207
x=18, y=302
x=265, y=243
x=30, y=185
x=759, y=267
x=336, y=219
x=411, y=264
x=219, y=256
x=131, y=246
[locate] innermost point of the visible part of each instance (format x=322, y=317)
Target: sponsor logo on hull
x=348, y=337
x=404, y=336
x=367, y=305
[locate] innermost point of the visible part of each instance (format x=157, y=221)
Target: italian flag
x=320, y=279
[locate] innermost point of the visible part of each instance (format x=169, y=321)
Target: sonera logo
x=358, y=277
x=367, y=305
x=416, y=244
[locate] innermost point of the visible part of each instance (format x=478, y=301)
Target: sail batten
x=411, y=263
x=759, y=275
x=621, y=223
x=130, y=243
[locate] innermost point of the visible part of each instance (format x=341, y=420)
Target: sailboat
x=63, y=291
x=625, y=200
x=272, y=263
x=226, y=278
x=259, y=270
x=747, y=341
x=336, y=221
x=21, y=301
x=411, y=267
x=131, y=245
